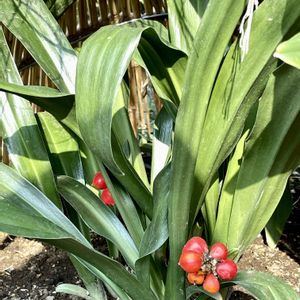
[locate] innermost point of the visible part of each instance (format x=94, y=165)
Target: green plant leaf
x=264, y=286
x=193, y=289
x=57, y=103
x=58, y=7
x=110, y=285
x=151, y=239
x=271, y=154
x=20, y=131
x=276, y=224
x=210, y=43
x=25, y=211
x=228, y=188
x=184, y=19
x=124, y=133
x=97, y=61
x=238, y=87
x=98, y=216
x=289, y=51
x=63, y=148
x=92, y=283
x=125, y=206
x=75, y=290
x=161, y=142
x=34, y=25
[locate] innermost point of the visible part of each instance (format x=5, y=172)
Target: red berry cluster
x=206, y=267
x=99, y=183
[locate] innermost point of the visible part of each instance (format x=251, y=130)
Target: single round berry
x=190, y=261
x=196, y=244
x=218, y=251
x=196, y=278
x=99, y=181
x=226, y=269
x=211, y=284
x=107, y=198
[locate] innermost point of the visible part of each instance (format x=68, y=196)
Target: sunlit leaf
x=289, y=51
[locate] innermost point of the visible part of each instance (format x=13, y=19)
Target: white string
x=245, y=29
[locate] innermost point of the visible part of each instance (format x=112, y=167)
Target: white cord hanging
x=245, y=27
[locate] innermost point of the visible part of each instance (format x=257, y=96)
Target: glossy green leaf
x=34, y=25
x=276, y=224
x=58, y=7
x=125, y=206
x=98, y=216
x=124, y=133
x=226, y=197
x=75, y=290
x=238, y=87
x=92, y=283
x=57, y=103
x=25, y=211
x=20, y=131
x=210, y=207
x=184, y=19
x=161, y=142
x=166, y=65
x=264, y=286
x=151, y=239
x=289, y=51
x=110, y=285
x=104, y=65
x=63, y=148
x=271, y=154
x=214, y=33
x=193, y=289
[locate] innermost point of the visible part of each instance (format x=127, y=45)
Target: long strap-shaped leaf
x=20, y=131
x=262, y=286
x=24, y=210
x=271, y=154
x=103, y=61
x=63, y=148
x=33, y=24
x=238, y=86
x=214, y=33
x=98, y=216
x=57, y=103
x=184, y=19
x=289, y=51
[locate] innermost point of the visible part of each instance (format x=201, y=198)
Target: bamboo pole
x=135, y=5
x=104, y=12
x=4, y=153
x=133, y=104
x=114, y=14
x=148, y=7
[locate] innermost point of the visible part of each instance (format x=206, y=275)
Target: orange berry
x=196, y=278
x=211, y=284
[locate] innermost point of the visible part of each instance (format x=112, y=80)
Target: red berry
x=107, y=198
x=226, y=269
x=190, y=261
x=218, y=251
x=196, y=244
x=99, y=181
x=196, y=278
x=211, y=284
